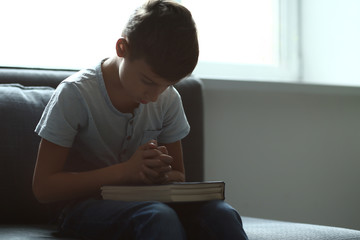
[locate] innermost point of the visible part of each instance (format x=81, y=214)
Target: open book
x=174, y=192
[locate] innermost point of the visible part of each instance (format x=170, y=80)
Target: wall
x=288, y=151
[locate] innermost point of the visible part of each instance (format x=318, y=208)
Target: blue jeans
x=106, y=219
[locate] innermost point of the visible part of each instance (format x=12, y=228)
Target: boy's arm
x=51, y=183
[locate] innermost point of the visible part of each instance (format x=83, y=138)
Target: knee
x=220, y=211
x=221, y=221
x=159, y=221
x=162, y=210
x=162, y=213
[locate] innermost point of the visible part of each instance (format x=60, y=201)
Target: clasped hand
x=151, y=163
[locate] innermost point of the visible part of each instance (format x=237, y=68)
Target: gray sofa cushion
x=256, y=229
x=30, y=232
x=262, y=229
x=20, y=110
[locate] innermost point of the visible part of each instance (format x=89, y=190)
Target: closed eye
x=147, y=81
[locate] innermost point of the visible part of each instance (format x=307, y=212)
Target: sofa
x=23, y=96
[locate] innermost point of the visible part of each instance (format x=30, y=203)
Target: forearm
x=70, y=185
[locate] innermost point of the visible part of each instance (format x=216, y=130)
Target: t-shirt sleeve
x=63, y=116
x=175, y=125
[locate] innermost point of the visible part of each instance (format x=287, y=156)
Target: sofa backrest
x=23, y=95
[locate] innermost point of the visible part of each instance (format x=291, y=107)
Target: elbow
x=40, y=194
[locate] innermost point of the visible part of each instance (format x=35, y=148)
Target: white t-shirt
x=81, y=116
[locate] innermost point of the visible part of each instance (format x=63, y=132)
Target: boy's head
x=163, y=34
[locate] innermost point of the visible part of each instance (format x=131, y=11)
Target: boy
x=102, y=126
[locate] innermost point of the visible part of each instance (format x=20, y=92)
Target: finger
x=154, y=163
x=144, y=179
x=150, y=173
x=160, y=170
x=151, y=153
x=166, y=158
x=154, y=177
x=154, y=160
x=164, y=170
x=161, y=179
x=158, y=166
x=152, y=144
x=163, y=149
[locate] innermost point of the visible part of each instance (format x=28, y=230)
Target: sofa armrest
x=191, y=91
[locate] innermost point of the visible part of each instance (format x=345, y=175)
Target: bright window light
x=247, y=40
x=63, y=34
x=239, y=39
x=237, y=31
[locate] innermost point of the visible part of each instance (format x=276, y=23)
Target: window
x=63, y=34
x=239, y=39
x=247, y=40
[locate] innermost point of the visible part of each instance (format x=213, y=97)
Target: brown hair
x=163, y=33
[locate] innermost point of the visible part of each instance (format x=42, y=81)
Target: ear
x=122, y=47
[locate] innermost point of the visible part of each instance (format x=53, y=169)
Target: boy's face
x=140, y=83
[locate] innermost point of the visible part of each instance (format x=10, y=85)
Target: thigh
x=210, y=220
x=107, y=219
x=93, y=218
